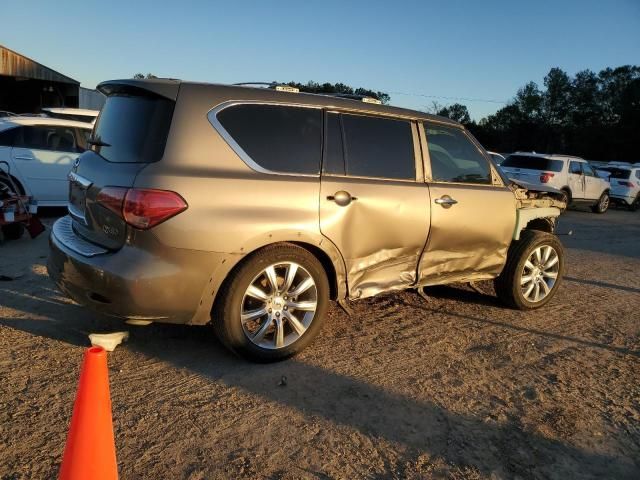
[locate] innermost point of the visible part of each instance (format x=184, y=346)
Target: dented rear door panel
x=381, y=234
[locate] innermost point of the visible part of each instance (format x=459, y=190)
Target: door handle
x=445, y=201
x=342, y=198
x=23, y=157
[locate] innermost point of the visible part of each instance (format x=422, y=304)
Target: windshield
x=133, y=129
x=532, y=163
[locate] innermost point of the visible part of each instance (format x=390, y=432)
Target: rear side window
x=133, y=129
x=43, y=137
x=575, y=168
x=532, y=163
x=276, y=137
x=6, y=137
x=454, y=157
x=378, y=147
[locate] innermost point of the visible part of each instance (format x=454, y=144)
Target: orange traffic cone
x=90, y=452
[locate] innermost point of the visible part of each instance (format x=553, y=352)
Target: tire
x=12, y=231
x=635, y=205
x=603, y=203
x=508, y=285
x=256, y=339
x=5, y=181
x=567, y=198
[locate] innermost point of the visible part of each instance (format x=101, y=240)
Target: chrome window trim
x=212, y=116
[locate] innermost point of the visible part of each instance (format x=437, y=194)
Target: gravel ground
x=456, y=387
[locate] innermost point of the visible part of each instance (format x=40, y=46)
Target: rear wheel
x=566, y=197
x=636, y=204
x=273, y=305
x=534, y=269
x=603, y=203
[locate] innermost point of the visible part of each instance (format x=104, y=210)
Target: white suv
x=573, y=175
x=625, y=184
x=38, y=153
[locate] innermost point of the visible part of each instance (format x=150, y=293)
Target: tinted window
x=43, y=137
x=133, y=129
x=333, y=151
x=533, y=163
x=575, y=167
x=6, y=137
x=454, y=157
x=278, y=138
x=620, y=173
x=378, y=147
x=587, y=170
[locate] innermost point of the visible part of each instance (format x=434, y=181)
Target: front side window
x=454, y=157
x=44, y=137
x=378, y=147
x=7, y=136
x=278, y=138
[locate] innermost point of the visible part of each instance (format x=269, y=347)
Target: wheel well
x=327, y=264
x=21, y=190
x=541, y=224
x=322, y=257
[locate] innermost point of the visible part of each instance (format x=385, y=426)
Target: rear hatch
x=130, y=133
x=621, y=181
x=529, y=168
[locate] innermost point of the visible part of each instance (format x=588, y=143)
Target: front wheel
x=533, y=272
x=273, y=304
x=603, y=204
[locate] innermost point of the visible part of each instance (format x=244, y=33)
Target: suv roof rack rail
x=273, y=85
x=352, y=96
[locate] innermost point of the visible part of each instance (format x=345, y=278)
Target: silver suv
x=251, y=208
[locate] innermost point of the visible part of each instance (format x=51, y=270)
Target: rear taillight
x=545, y=177
x=142, y=208
x=112, y=198
x=625, y=184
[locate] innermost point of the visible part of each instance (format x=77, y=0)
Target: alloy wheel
x=539, y=273
x=279, y=305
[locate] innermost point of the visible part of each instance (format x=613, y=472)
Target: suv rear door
x=472, y=214
x=374, y=205
x=575, y=179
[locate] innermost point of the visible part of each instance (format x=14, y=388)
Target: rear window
x=276, y=137
x=532, y=163
x=133, y=129
x=620, y=173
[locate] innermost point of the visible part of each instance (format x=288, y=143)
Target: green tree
x=341, y=88
x=456, y=112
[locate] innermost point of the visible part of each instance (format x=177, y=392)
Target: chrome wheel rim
x=279, y=305
x=539, y=273
x=604, y=203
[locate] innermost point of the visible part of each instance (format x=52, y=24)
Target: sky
x=475, y=52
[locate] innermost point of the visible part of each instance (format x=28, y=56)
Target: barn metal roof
x=14, y=64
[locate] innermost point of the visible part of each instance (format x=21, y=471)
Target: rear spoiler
x=165, y=87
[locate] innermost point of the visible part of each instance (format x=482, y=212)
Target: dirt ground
x=457, y=387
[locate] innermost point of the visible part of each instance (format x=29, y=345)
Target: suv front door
x=473, y=214
x=593, y=185
x=374, y=205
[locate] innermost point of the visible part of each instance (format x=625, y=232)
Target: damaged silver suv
x=251, y=208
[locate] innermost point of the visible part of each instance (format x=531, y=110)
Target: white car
x=39, y=153
x=78, y=114
x=625, y=184
x=572, y=175
x=498, y=158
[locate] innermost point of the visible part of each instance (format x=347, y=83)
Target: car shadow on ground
x=597, y=283
x=461, y=441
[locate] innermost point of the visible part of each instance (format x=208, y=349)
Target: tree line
x=592, y=115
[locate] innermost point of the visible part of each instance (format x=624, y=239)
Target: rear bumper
x=155, y=282
x=625, y=199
